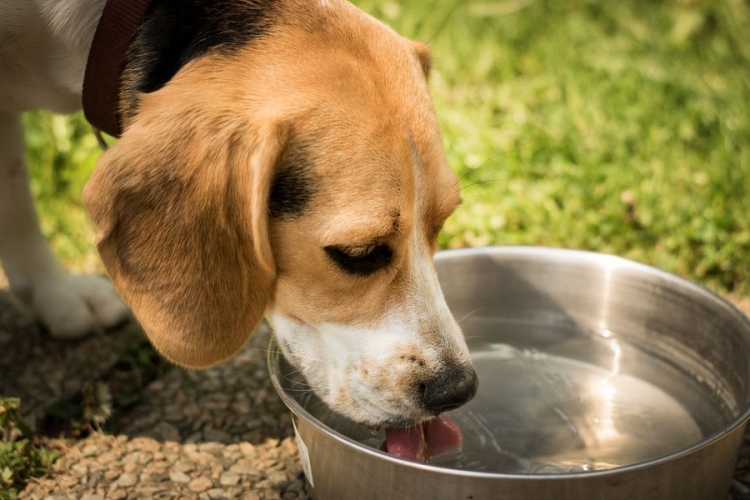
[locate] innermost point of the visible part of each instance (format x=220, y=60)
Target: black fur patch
x=175, y=32
x=294, y=184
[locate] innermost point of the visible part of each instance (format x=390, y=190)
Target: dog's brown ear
x=181, y=205
x=424, y=55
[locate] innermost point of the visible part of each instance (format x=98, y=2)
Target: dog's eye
x=360, y=260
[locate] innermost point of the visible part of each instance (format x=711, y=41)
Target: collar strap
x=106, y=62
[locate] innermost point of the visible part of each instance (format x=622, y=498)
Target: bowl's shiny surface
x=599, y=378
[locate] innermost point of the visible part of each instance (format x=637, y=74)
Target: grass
x=62, y=153
x=21, y=457
x=621, y=127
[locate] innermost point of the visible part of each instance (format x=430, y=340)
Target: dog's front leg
x=69, y=306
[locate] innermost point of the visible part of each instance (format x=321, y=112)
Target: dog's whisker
x=305, y=357
x=469, y=314
x=460, y=178
x=301, y=390
x=478, y=182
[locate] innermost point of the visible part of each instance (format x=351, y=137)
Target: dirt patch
x=129, y=425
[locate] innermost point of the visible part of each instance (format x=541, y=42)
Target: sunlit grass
x=621, y=127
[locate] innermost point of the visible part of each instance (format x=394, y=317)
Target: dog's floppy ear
x=181, y=206
x=424, y=55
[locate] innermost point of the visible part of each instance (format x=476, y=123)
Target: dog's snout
x=453, y=388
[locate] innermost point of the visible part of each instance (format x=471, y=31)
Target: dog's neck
x=118, y=24
x=56, y=36
x=176, y=32
x=141, y=44
x=173, y=33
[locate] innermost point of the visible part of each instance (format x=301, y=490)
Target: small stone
x=241, y=407
x=251, y=496
x=248, y=450
x=190, y=410
x=183, y=466
x=111, y=474
x=272, y=442
x=297, y=486
x=156, y=468
x=289, y=446
x=271, y=495
x=107, y=458
x=267, y=464
x=79, y=469
x=118, y=495
x=232, y=455
x=171, y=448
x=89, y=496
x=130, y=467
x=229, y=479
x=148, y=490
x=128, y=479
x=67, y=481
x=146, y=443
x=740, y=488
x=241, y=468
x=217, y=436
x=201, y=457
x=277, y=478
x=212, y=448
x=200, y=484
x=90, y=450
x=179, y=477
x=194, y=438
x=217, y=493
x=164, y=431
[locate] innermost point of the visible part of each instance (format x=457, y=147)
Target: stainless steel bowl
x=599, y=378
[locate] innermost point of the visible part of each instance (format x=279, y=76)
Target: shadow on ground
x=130, y=425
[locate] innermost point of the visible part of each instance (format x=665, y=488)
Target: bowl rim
x=274, y=352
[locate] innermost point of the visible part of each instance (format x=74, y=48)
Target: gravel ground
x=218, y=433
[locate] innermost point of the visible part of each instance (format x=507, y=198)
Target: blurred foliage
x=21, y=458
x=62, y=153
x=621, y=127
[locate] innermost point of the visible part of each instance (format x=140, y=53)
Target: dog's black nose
x=454, y=387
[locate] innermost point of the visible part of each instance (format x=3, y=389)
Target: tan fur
x=181, y=203
x=237, y=184
x=181, y=199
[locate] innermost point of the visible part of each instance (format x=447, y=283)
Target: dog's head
x=301, y=177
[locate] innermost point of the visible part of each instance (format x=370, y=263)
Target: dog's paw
x=74, y=306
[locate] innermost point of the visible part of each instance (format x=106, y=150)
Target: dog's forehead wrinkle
x=357, y=228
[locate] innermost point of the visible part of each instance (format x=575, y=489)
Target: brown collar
x=101, y=83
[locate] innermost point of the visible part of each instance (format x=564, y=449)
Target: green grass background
x=616, y=126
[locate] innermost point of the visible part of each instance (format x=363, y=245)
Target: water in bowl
x=556, y=400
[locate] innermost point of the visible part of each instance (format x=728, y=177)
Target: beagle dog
x=278, y=159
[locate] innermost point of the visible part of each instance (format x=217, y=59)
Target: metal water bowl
x=600, y=378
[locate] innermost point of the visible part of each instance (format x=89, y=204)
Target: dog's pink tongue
x=422, y=441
